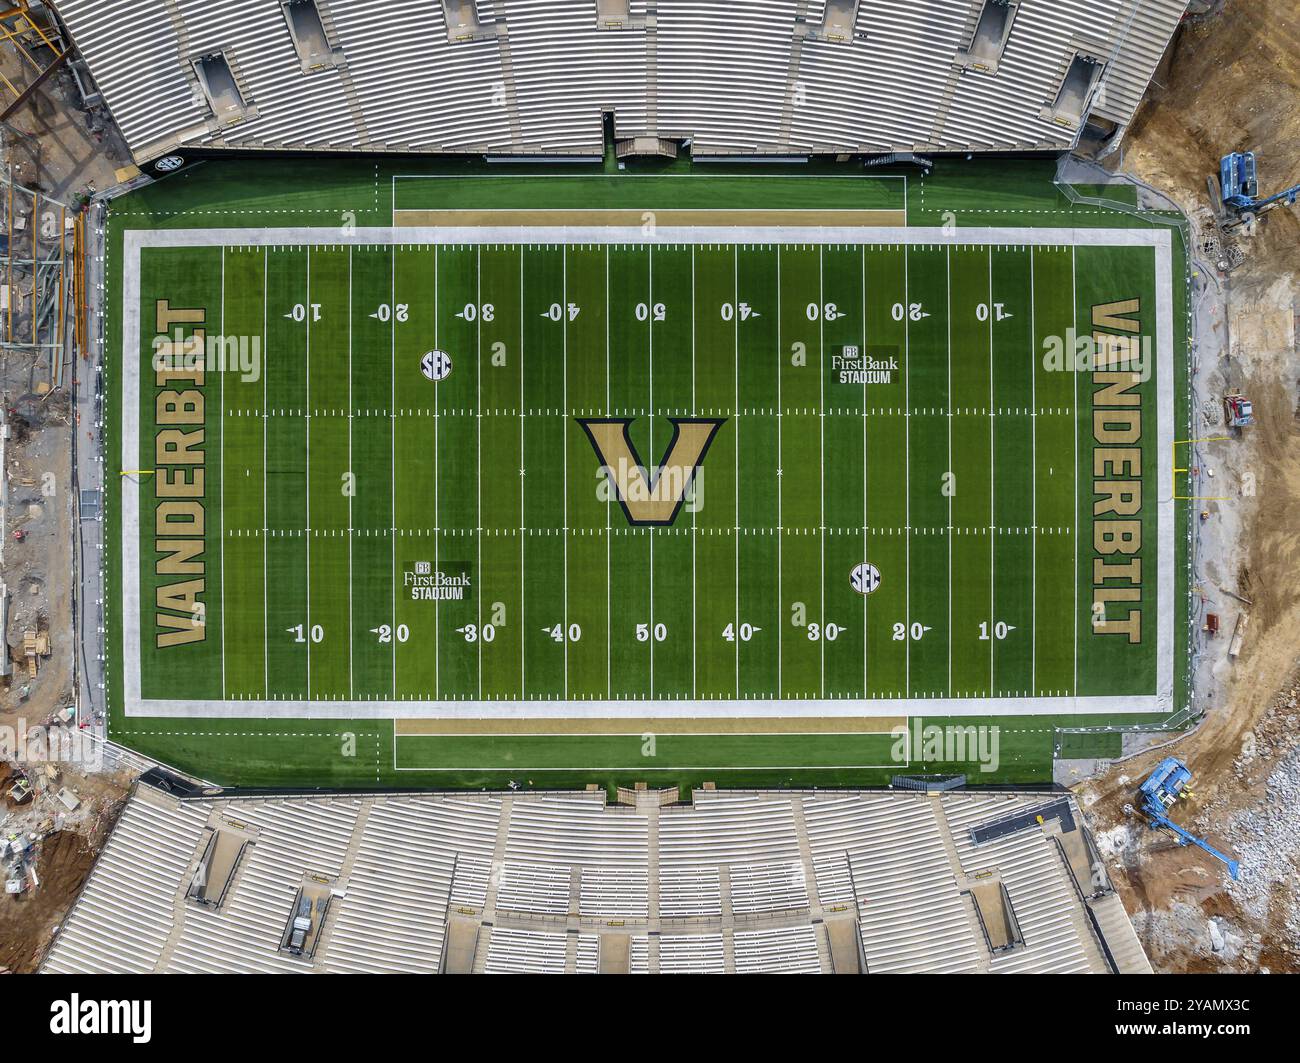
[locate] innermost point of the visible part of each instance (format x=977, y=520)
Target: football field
x=567, y=472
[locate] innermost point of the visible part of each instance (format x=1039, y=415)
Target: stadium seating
x=537, y=76
x=734, y=882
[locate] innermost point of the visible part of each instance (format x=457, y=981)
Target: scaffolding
x=42, y=285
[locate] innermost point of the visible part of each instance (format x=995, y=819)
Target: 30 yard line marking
x=821, y=443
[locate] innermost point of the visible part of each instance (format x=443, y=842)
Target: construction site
x=1194, y=818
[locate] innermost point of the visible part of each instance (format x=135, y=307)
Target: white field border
x=135, y=240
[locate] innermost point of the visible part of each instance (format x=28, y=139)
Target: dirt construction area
x=1230, y=83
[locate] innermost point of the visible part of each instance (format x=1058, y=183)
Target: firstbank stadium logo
x=651, y=497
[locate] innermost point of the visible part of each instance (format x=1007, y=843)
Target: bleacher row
x=536, y=76
x=734, y=881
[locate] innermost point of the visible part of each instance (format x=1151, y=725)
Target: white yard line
x=735, y=365
x=865, y=405
x=947, y=276
x=392, y=450
x=609, y=606
x=266, y=421
x=652, y=456
x=1033, y=479
x=1074, y=434
x=564, y=351
x=307, y=468
x=780, y=491
x=695, y=629
x=821, y=444
x=478, y=453
x=523, y=570
x=993, y=494
x=352, y=485
x=222, y=491
x=907, y=471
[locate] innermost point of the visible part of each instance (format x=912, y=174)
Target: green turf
x=439, y=473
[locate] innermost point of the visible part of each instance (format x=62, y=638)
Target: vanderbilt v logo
x=658, y=499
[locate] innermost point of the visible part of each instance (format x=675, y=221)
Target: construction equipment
x=1239, y=410
x=1164, y=788
x=1239, y=190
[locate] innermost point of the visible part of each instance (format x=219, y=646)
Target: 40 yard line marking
x=735, y=334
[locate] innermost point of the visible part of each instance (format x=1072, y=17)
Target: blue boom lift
x=1163, y=789
x=1239, y=187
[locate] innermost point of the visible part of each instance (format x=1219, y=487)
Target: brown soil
x=27, y=923
x=1231, y=83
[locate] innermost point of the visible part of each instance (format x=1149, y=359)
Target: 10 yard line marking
x=735, y=333
x=307, y=473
